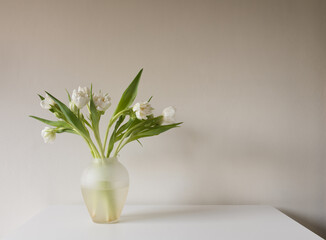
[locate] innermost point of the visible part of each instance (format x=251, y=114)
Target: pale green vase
x=104, y=185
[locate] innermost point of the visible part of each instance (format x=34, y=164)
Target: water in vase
x=105, y=205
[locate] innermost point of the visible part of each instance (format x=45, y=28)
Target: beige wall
x=246, y=77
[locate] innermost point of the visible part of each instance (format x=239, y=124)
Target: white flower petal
x=48, y=135
x=80, y=97
x=169, y=115
x=142, y=110
x=102, y=102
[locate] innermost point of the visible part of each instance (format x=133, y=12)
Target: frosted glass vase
x=104, y=185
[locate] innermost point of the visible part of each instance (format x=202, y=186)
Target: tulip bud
x=48, y=134
x=47, y=102
x=169, y=115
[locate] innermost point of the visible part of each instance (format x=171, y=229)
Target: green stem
x=99, y=142
x=127, y=133
x=89, y=145
x=96, y=135
x=89, y=141
x=112, y=120
x=120, y=147
x=117, y=149
x=93, y=147
x=84, y=121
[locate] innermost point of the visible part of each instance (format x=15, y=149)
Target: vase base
x=106, y=222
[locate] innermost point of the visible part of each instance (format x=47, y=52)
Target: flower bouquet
x=105, y=182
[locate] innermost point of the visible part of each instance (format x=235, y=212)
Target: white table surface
x=207, y=222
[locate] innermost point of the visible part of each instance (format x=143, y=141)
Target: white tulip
x=80, y=97
x=142, y=110
x=101, y=101
x=47, y=102
x=169, y=115
x=48, y=134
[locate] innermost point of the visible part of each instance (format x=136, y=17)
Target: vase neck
x=105, y=160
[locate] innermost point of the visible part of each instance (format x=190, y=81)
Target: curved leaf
x=129, y=94
x=94, y=115
x=153, y=131
x=52, y=123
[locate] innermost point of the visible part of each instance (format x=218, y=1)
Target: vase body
x=104, y=185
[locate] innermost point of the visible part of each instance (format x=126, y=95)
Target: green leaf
x=95, y=115
x=153, y=131
x=52, y=123
x=68, y=95
x=129, y=94
x=127, y=125
x=141, y=125
x=134, y=125
x=68, y=130
x=42, y=98
x=70, y=116
x=84, y=120
x=139, y=142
